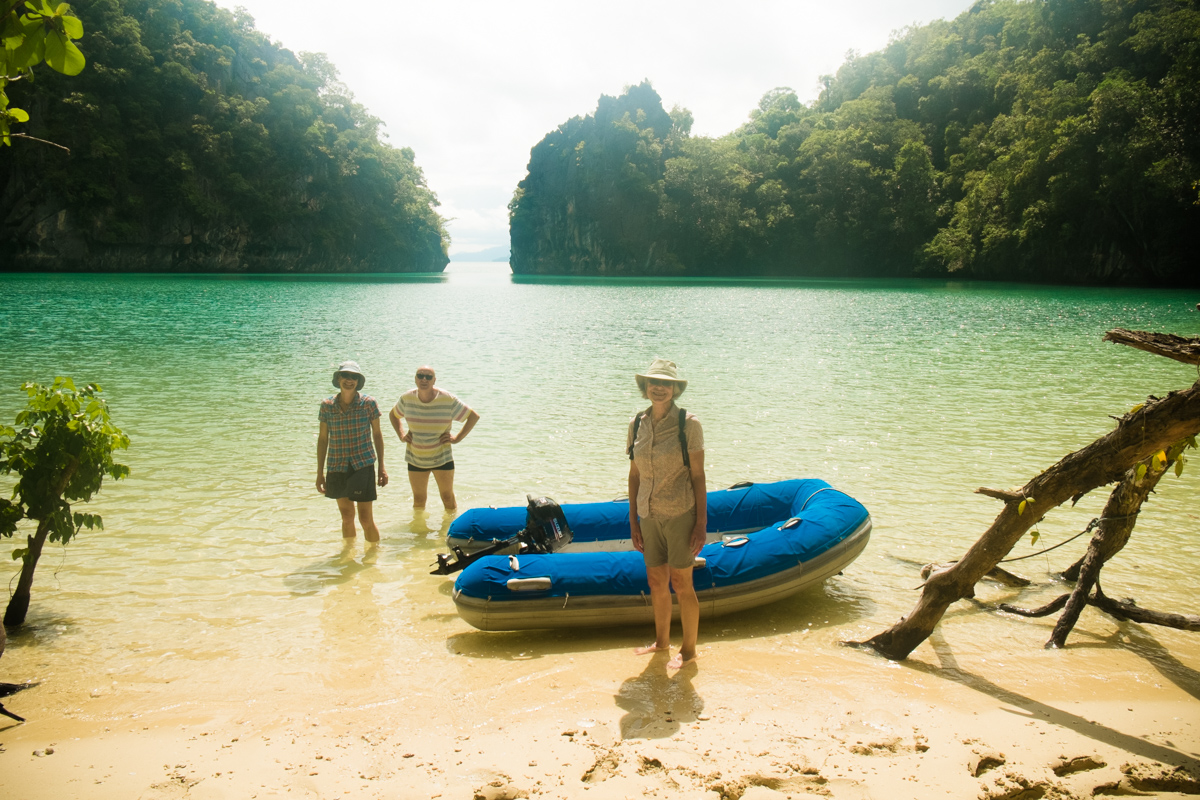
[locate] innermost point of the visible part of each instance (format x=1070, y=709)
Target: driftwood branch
x=997, y=574
x=1167, y=345
x=1156, y=425
x=1128, y=610
x=1045, y=611
x=1112, y=534
x=1124, y=610
x=1000, y=494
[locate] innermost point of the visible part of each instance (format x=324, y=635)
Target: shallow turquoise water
x=907, y=394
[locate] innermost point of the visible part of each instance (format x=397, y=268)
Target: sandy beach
x=372, y=710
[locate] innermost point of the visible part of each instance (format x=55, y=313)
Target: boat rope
x=1091, y=526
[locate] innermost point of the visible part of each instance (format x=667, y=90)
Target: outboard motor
x=546, y=531
x=546, y=528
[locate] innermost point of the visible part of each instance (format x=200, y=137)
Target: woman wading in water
x=668, y=504
x=346, y=447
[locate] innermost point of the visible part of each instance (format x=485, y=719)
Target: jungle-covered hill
x=1054, y=140
x=198, y=144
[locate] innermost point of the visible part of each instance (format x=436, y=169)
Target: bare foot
x=645, y=651
x=678, y=662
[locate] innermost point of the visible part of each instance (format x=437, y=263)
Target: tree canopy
x=1047, y=141
x=33, y=31
x=198, y=144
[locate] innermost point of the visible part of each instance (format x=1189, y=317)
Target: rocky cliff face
x=57, y=241
x=560, y=243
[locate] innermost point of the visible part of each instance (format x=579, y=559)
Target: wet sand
x=783, y=713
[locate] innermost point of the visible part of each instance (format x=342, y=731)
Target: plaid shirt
x=350, y=444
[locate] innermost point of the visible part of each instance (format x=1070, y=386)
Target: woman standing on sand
x=668, y=504
x=345, y=455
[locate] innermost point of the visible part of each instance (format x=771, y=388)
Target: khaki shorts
x=669, y=541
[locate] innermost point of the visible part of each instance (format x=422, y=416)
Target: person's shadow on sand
x=657, y=704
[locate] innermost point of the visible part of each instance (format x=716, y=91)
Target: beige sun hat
x=350, y=368
x=663, y=370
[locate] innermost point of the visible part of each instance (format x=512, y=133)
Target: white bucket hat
x=662, y=370
x=352, y=368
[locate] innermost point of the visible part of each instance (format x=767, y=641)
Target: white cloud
x=471, y=86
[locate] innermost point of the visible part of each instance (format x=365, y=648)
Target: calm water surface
x=908, y=395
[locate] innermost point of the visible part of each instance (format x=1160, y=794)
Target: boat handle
x=528, y=584
x=791, y=523
x=735, y=542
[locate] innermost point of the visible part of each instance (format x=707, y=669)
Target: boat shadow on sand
x=820, y=607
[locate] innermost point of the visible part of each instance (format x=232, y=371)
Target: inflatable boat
x=766, y=542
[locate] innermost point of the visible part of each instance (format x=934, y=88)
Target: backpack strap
x=683, y=446
x=637, y=420
x=687, y=462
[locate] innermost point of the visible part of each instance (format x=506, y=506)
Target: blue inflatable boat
x=766, y=542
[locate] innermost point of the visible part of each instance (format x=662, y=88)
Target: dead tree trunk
x=1167, y=345
x=1116, y=526
x=1152, y=427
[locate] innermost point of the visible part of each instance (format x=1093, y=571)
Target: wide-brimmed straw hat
x=662, y=370
x=352, y=368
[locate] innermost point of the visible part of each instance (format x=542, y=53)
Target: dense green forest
x=197, y=144
x=1054, y=140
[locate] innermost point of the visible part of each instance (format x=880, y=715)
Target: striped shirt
x=428, y=421
x=665, y=484
x=350, y=444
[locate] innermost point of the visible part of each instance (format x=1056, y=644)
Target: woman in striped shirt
x=429, y=412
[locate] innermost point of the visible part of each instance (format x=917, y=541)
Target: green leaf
x=1141, y=471
x=72, y=26
x=62, y=55
x=30, y=52
x=1179, y=466
x=1034, y=537
x=18, y=114
x=1021, y=507
x=19, y=553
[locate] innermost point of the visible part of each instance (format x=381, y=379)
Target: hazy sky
x=472, y=85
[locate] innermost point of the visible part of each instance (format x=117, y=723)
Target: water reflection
x=332, y=571
x=351, y=623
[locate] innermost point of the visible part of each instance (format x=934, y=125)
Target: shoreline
x=790, y=714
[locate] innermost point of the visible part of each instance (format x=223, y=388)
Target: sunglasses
x=659, y=382
x=421, y=376
x=348, y=376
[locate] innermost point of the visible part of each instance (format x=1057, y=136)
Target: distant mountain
x=497, y=253
x=1025, y=140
